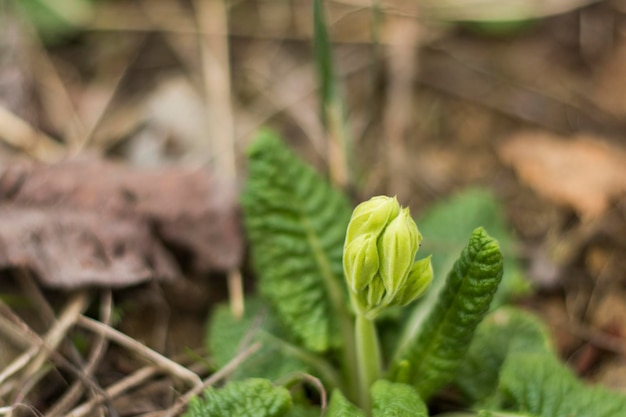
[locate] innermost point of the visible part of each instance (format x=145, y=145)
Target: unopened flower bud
x=379, y=252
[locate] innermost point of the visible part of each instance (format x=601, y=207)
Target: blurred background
x=423, y=99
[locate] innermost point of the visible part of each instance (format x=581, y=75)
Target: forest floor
x=123, y=135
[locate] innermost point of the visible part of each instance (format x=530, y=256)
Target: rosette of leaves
x=502, y=366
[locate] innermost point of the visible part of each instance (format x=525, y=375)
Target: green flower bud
x=372, y=216
x=379, y=257
x=361, y=261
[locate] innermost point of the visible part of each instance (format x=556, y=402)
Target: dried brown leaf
x=87, y=221
x=583, y=172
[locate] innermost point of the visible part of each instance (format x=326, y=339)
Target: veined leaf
x=430, y=359
x=390, y=399
x=226, y=334
x=339, y=406
x=393, y=399
x=539, y=385
x=250, y=398
x=296, y=225
x=505, y=331
x=446, y=225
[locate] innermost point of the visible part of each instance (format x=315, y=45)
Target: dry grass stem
x=40, y=349
x=95, y=356
x=17, y=133
x=133, y=345
x=217, y=376
x=212, y=20
x=55, y=96
x=74, y=308
x=115, y=390
x=399, y=109
x=235, y=293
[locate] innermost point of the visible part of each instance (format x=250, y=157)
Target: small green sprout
x=380, y=269
x=379, y=257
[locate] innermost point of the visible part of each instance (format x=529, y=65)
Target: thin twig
x=115, y=390
x=222, y=373
x=97, y=353
x=16, y=132
x=40, y=348
x=235, y=293
x=212, y=19
x=161, y=361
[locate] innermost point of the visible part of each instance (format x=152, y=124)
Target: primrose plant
x=378, y=261
x=331, y=279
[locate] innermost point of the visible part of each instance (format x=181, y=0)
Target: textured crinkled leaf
x=226, y=334
x=538, y=384
x=249, y=398
x=505, y=331
x=430, y=359
x=339, y=406
x=446, y=226
x=393, y=399
x=296, y=225
x=302, y=410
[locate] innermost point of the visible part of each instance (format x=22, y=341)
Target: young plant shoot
x=380, y=270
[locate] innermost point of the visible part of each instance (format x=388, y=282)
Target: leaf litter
x=464, y=104
x=116, y=223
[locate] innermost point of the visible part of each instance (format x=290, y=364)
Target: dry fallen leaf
x=583, y=172
x=69, y=248
x=88, y=221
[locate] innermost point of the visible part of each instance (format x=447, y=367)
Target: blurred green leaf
x=538, y=384
x=226, y=334
x=56, y=19
x=446, y=225
x=249, y=398
x=503, y=332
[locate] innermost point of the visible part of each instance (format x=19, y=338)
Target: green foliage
x=249, y=398
x=56, y=19
x=339, y=406
x=504, y=366
x=538, y=384
x=446, y=226
x=506, y=331
x=296, y=224
x=391, y=399
x=431, y=357
x=226, y=334
x=397, y=400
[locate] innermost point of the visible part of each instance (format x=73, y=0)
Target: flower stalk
x=379, y=264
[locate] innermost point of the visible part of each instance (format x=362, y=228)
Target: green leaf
x=226, y=334
x=250, y=398
x=301, y=410
x=56, y=19
x=396, y=400
x=445, y=227
x=390, y=399
x=430, y=359
x=538, y=384
x=507, y=330
x=339, y=406
x=296, y=225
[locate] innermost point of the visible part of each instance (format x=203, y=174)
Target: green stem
x=368, y=359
